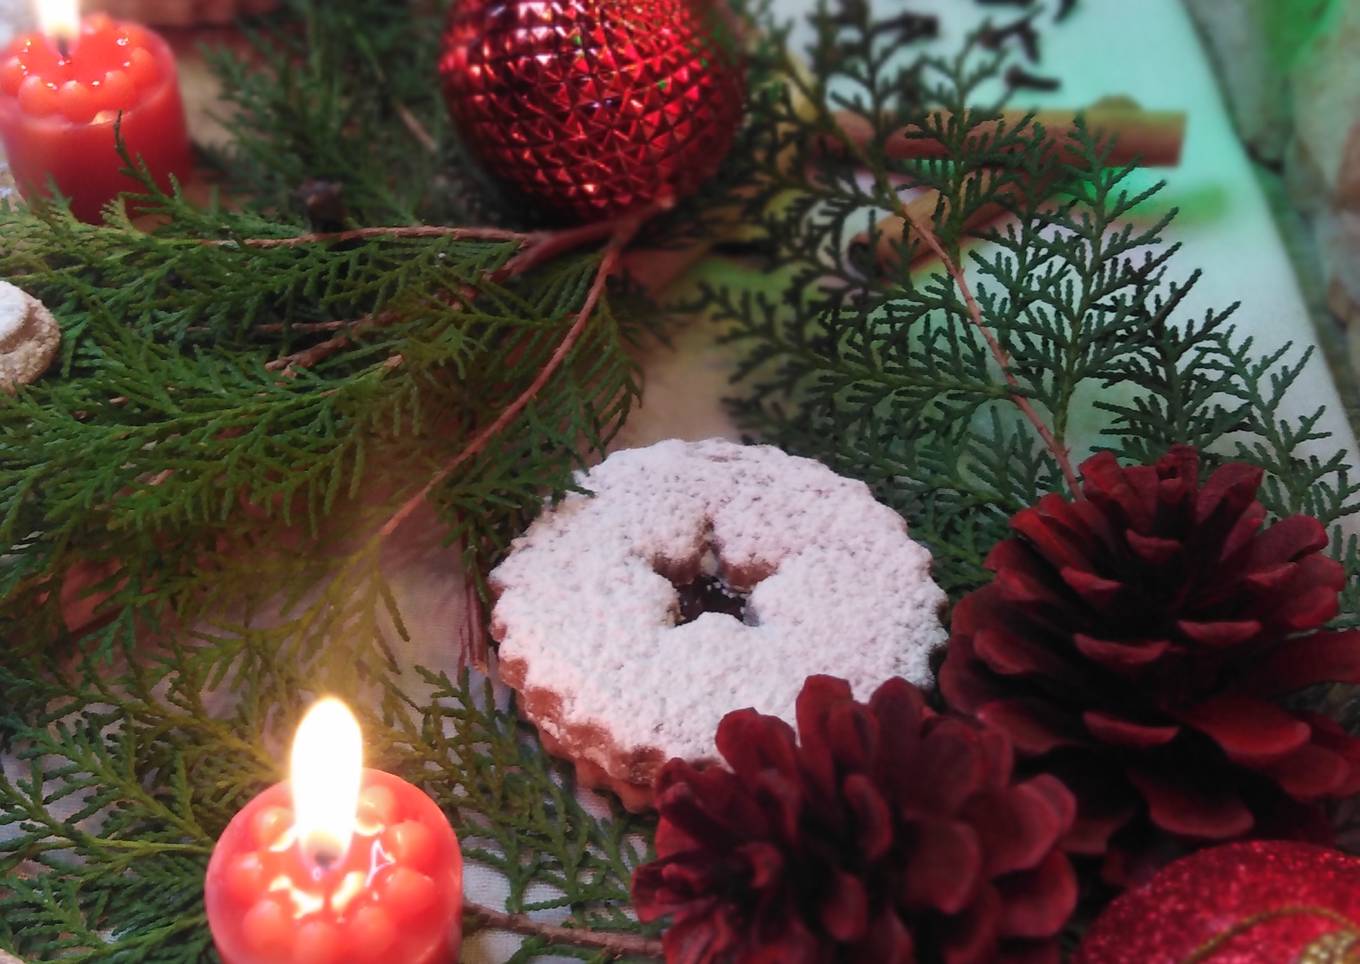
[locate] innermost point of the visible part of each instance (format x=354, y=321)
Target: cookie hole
x=709, y=594
x=700, y=588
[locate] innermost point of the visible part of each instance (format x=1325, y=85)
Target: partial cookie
x=698, y=579
x=29, y=337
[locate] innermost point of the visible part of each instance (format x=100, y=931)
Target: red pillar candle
x=60, y=98
x=339, y=864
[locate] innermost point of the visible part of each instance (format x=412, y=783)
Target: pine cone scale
x=1198, y=812
x=1153, y=549
x=1032, y=726
x=754, y=746
x=1291, y=538
x=1010, y=652
x=870, y=816
x=844, y=912
x=1219, y=634
x=889, y=941
x=694, y=820
x=1039, y=904
x=949, y=752
x=782, y=801
x=1020, y=826
x=1094, y=590
x=1117, y=731
x=1057, y=535
x=947, y=868
x=1250, y=731
x=1328, y=735
x=1311, y=773
x=1320, y=658
x=1119, y=656
x=971, y=938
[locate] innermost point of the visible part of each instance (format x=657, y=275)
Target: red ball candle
x=61, y=92
x=339, y=864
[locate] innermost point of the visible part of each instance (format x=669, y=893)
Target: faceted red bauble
x=1247, y=903
x=594, y=107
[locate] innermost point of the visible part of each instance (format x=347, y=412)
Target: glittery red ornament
x=594, y=107
x=1246, y=903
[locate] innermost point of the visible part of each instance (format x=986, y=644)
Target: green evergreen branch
x=231, y=382
x=887, y=374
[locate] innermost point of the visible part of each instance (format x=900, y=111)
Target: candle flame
x=59, y=18
x=327, y=769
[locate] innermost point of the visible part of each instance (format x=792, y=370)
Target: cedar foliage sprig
x=180, y=473
x=321, y=96
x=875, y=369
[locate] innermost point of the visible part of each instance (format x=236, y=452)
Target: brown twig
x=308, y=327
x=1060, y=454
x=535, y=248
x=921, y=224
x=308, y=357
x=623, y=231
x=417, y=129
x=359, y=234
x=1145, y=137
x=890, y=229
x=546, y=245
x=472, y=636
x=615, y=945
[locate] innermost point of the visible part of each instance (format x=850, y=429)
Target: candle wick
x=64, y=46
x=323, y=858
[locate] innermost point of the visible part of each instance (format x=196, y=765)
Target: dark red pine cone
x=881, y=833
x=1136, y=644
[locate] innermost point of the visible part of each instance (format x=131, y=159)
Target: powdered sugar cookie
x=29, y=337
x=697, y=579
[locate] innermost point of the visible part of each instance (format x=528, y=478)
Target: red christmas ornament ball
x=1245, y=903
x=594, y=108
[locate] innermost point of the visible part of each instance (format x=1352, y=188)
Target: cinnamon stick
x=1146, y=138
x=1134, y=136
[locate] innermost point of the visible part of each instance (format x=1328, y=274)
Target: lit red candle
x=63, y=88
x=339, y=864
